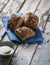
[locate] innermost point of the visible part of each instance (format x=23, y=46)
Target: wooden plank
x=42, y=56
x=25, y=51
x=3, y=4
x=2, y=29
x=24, y=54
x=35, y=5
x=49, y=18
x=26, y=6
x=44, y=7
x=10, y=6
x=6, y=38
x=29, y=6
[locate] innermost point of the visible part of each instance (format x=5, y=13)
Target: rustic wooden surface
x=29, y=54
x=43, y=7
x=42, y=56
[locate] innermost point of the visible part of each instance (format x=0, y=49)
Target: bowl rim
x=7, y=55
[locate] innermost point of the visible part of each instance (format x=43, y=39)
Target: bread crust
x=24, y=32
x=31, y=20
x=15, y=21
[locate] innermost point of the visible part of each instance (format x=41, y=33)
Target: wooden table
x=29, y=54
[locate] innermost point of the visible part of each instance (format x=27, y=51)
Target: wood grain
x=13, y=6
x=34, y=6
x=29, y=6
x=42, y=56
x=24, y=54
x=3, y=4
x=43, y=9
x=26, y=6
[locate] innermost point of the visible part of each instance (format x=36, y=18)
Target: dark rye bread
x=24, y=32
x=15, y=21
x=31, y=20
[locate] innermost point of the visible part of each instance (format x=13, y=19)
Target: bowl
x=7, y=44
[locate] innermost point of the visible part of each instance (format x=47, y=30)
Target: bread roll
x=31, y=20
x=24, y=32
x=15, y=21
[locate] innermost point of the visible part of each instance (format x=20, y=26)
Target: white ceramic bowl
x=8, y=45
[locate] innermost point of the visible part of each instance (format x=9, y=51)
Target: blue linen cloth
x=38, y=38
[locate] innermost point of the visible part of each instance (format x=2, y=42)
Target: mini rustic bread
x=31, y=20
x=15, y=21
x=24, y=32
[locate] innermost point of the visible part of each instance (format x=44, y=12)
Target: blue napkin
x=38, y=38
